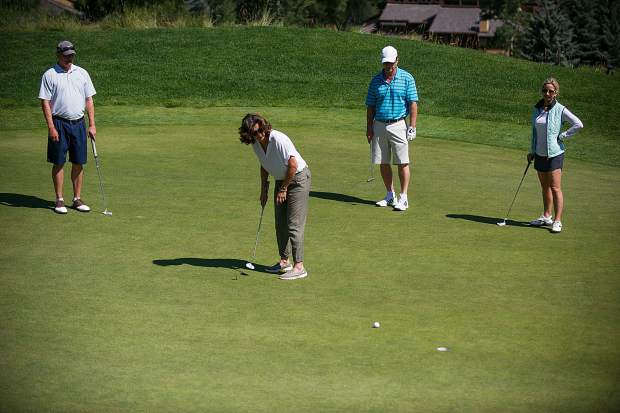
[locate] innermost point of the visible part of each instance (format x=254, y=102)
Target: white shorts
x=390, y=139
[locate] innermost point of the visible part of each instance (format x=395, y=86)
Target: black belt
x=72, y=121
x=390, y=121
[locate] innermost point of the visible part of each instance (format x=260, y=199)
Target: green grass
x=147, y=310
x=257, y=66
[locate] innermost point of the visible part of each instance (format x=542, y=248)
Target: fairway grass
x=152, y=310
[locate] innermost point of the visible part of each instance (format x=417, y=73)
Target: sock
x=75, y=198
x=60, y=199
x=402, y=197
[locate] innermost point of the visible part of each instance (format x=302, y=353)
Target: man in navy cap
x=66, y=90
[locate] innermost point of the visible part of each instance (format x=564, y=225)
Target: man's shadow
x=332, y=196
x=24, y=201
x=489, y=220
x=228, y=263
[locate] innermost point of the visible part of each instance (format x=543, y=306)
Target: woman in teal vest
x=547, y=150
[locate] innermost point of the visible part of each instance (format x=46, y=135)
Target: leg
x=280, y=211
x=547, y=196
x=77, y=177
x=404, y=175
x=58, y=177
x=386, y=175
x=555, y=185
x=297, y=200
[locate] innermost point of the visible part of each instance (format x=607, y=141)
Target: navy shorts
x=544, y=164
x=71, y=138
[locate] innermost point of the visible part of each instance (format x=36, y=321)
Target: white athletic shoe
x=401, y=205
x=388, y=200
x=557, y=226
x=542, y=220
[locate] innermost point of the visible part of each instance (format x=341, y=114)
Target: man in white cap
x=66, y=90
x=392, y=99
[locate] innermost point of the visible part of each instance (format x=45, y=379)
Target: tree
x=549, y=36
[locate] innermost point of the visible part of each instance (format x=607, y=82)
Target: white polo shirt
x=279, y=151
x=66, y=91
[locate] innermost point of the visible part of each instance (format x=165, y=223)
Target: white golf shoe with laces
x=542, y=220
x=557, y=226
x=388, y=200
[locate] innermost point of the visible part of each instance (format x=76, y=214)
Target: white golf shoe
x=60, y=207
x=557, y=226
x=542, y=220
x=388, y=200
x=80, y=206
x=402, y=204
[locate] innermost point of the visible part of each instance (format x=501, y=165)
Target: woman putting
x=278, y=157
x=547, y=150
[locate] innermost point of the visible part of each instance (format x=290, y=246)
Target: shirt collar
x=59, y=68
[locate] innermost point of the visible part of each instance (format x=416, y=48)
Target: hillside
x=267, y=67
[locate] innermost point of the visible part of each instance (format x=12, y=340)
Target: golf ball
x=376, y=324
x=442, y=348
x=249, y=265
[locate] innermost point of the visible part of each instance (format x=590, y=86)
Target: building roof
x=462, y=20
x=410, y=13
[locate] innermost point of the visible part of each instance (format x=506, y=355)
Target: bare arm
x=413, y=113
x=47, y=113
x=370, y=119
x=90, y=110
x=264, y=186
x=290, y=172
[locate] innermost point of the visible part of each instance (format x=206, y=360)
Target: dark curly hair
x=246, y=130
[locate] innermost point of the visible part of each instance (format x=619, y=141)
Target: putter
x=503, y=223
x=249, y=265
x=105, y=205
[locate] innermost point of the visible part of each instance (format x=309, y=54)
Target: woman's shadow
x=24, y=201
x=488, y=220
x=229, y=263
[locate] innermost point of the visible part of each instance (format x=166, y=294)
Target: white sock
x=402, y=197
x=60, y=199
x=75, y=198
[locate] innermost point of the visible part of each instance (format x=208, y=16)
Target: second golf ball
x=376, y=324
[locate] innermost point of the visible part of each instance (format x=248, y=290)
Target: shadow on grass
x=233, y=264
x=332, y=196
x=489, y=220
x=24, y=201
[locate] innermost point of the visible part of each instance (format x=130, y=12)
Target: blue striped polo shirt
x=391, y=100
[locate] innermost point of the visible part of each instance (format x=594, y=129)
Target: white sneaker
x=557, y=226
x=542, y=220
x=401, y=205
x=388, y=200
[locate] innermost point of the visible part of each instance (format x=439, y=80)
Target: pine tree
x=549, y=37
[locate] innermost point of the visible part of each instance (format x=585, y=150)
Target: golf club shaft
x=105, y=204
x=518, y=188
x=371, y=169
x=260, y=222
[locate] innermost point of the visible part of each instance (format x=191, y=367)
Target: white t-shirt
x=541, y=128
x=279, y=151
x=66, y=91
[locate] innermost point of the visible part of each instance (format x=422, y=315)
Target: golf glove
x=562, y=136
x=411, y=133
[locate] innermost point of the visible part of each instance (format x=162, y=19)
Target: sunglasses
x=64, y=49
x=548, y=91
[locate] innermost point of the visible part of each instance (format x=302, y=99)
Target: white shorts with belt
x=390, y=140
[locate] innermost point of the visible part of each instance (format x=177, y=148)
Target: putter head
x=502, y=223
x=249, y=265
x=106, y=212
x=370, y=179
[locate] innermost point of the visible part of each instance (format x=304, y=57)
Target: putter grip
x=94, y=147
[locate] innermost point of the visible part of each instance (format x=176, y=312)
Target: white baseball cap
x=388, y=54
